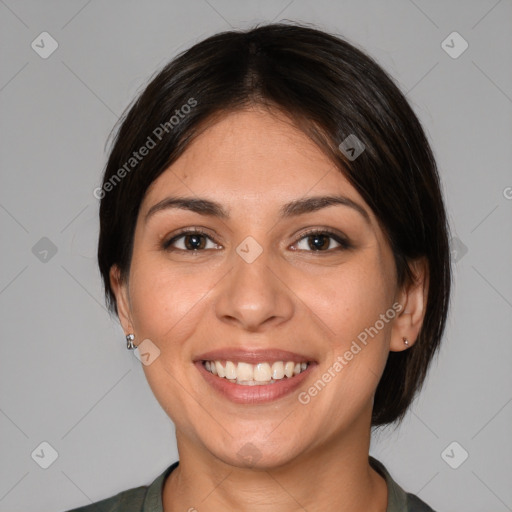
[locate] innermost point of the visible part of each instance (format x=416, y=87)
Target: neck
x=335, y=476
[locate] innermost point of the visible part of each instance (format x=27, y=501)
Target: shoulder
x=414, y=504
x=398, y=499
x=145, y=498
x=130, y=500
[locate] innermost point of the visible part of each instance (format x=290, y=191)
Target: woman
x=274, y=242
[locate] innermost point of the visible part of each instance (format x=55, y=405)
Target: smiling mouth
x=260, y=374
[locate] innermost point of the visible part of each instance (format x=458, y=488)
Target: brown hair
x=332, y=90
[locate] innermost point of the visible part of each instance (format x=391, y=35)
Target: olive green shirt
x=149, y=498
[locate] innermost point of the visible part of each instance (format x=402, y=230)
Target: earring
x=129, y=342
x=406, y=341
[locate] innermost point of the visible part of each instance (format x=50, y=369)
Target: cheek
x=167, y=306
x=166, y=299
x=350, y=302
x=351, y=298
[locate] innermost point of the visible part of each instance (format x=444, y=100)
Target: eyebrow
x=294, y=208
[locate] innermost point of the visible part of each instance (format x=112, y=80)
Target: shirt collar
x=397, y=499
x=154, y=500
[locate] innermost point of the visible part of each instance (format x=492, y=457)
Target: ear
x=120, y=289
x=413, y=298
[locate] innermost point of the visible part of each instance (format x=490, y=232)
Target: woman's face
x=254, y=288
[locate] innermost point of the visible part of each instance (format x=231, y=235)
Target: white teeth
x=244, y=371
x=230, y=370
x=220, y=369
x=262, y=372
x=252, y=375
x=278, y=370
x=288, y=369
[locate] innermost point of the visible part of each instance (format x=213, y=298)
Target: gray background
x=66, y=377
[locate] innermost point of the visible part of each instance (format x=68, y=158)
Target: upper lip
x=252, y=356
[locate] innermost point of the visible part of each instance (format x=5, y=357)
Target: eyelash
x=343, y=243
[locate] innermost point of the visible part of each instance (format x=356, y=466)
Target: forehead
x=252, y=154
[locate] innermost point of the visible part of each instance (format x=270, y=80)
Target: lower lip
x=257, y=394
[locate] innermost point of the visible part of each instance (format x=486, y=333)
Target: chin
x=255, y=455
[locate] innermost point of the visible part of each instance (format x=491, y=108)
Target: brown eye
x=194, y=242
x=190, y=241
x=322, y=241
x=319, y=242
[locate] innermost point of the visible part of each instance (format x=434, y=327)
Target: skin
x=312, y=456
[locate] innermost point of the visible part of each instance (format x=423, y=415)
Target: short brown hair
x=332, y=90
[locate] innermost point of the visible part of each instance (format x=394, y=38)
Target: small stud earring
x=406, y=341
x=129, y=342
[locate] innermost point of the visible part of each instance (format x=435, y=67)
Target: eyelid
x=338, y=237
x=166, y=244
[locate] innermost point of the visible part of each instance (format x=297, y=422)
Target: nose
x=254, y=296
